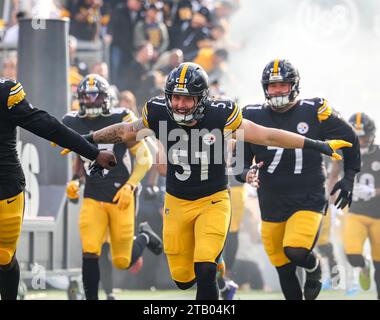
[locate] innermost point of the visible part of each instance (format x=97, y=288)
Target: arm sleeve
x=334, y=127
x=143, y=163
x=46, y=126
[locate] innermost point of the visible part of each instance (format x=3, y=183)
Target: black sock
x=327, y=251
x=91, y=275
x=230, y=249
x=105, y=268
x=289, y=282
x=377, y=277
x=9, y=280
x=207, y=289
x=139, y=244
x=221, y=284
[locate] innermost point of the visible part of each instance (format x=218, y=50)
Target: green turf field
x=190, y=295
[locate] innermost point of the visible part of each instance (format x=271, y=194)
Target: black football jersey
x=368, y=175
x=292, y=171
x=16, y=111
x=97, y=188
x=196, y=163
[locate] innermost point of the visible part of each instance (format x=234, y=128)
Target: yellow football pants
x=324, y=235
x=94, y=220
x=357, y=228
x=194, y=231
x=299, y=231
x=11, y=214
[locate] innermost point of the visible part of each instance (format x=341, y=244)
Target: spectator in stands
x=9, y=68
x=178, y=15
x=121, y=34
x=152, y=29
x=168, y=61
x=11, y=34
x=85, y=19
x=132, y=75
x=127, y=100
x=213, y=61
x=101, y=68
x=196, y=35
x=150, y=86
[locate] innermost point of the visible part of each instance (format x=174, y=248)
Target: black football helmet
x=365, y=128
x=280, y=70
x=94, y=96
x=187, y=79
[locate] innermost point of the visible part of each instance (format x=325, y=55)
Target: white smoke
x=335, y=44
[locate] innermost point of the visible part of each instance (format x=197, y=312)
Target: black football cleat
x=155, y=242
x=313, y=284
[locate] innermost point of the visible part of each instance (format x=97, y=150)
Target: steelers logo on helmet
x=365, y=128
x=302, y=128
x=188, y=79
x=94, y=96
x=280, y=71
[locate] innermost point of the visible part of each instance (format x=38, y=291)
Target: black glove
x=345, y=185
x=328, y=148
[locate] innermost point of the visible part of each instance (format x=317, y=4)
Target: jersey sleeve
x=129, y=116
x=234, y=118
x=334, y=127
x=21, y=113
x=154, y=111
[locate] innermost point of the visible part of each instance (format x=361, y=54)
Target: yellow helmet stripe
x=358, y=120
x=275, y=66
x=91, y=81
x=182, y=76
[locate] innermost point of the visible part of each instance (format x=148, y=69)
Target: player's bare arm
x=118, y=133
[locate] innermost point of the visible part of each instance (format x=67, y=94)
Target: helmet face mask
x=94, y=96
x=365, y=129
x=280, y=71
x=188, y=79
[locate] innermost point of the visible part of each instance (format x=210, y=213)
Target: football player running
x=109, y=201
x=192, y=127
x=16, y=111
x=292, y=194
x=362, y=222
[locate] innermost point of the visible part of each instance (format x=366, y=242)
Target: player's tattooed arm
x=119, y=133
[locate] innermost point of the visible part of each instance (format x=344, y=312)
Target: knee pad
x=7, y=266
x=121, y=262
x=5, y=257
x=297, y=255
x=185, y=285
x=205, y=271
x=356, y=260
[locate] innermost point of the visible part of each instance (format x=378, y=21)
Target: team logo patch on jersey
x=302, y=128
x=166, y=210
x=209, y=139
x=375, y=166
x=117, y=185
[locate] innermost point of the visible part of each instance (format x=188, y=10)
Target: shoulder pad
x=321, y=106
x=160, y=101
x=11, y=92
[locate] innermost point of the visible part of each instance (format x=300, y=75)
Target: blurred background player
x=108, y=202
x=292, y=195
x=15, y=111
x=362, y=222
x=325, y=245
